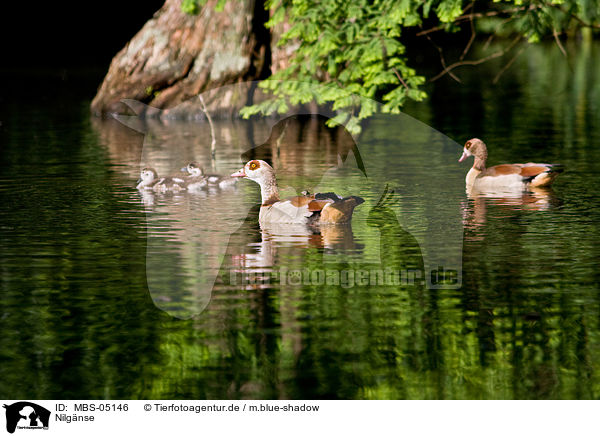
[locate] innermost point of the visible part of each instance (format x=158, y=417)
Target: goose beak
x=464, y=156
x=184, y=170
x=239, y=173
x=138, y=181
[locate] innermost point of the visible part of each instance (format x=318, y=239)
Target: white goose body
x=284, y=212
x=306, y=209
x=509, y=182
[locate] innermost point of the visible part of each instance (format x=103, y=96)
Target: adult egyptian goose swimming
x=327, y=208
x=196, y=173
x=149, y=180
x=506, y=176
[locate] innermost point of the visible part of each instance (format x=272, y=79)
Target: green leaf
x=348, y=52
x=190, y=7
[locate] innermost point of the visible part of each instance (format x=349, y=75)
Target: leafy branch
x=351, y=54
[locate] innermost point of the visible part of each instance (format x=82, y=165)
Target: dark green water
x=96, y=277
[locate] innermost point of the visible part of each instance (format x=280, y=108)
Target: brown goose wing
x=500, y=170
x=339, y=210
x=527, y=170
x=317, y=205
x=532, y=170
x=309, y=200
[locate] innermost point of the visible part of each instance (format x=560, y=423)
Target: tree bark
x=177, y=56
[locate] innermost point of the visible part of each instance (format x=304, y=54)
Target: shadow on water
x=77, y=244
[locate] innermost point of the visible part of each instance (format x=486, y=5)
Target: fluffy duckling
x=149, y=180
x=196, y=172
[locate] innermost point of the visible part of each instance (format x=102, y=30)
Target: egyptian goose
x=195, y=171
x=327, y=208
x=505, y=176
x=149, y=180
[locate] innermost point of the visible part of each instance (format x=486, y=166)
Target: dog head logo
x=26, y=415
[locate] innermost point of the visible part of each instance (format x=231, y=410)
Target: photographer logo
x=26, y=415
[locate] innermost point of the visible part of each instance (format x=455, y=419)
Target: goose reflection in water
x=480, y=207
x=259, y=258
x=332, y=247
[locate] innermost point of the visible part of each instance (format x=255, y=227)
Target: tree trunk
x=176, y=56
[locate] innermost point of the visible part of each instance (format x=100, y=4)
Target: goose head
x=258, y=171
x=474, y=147
x=262, y=173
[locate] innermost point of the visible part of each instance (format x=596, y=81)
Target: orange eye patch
x=254, y=165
